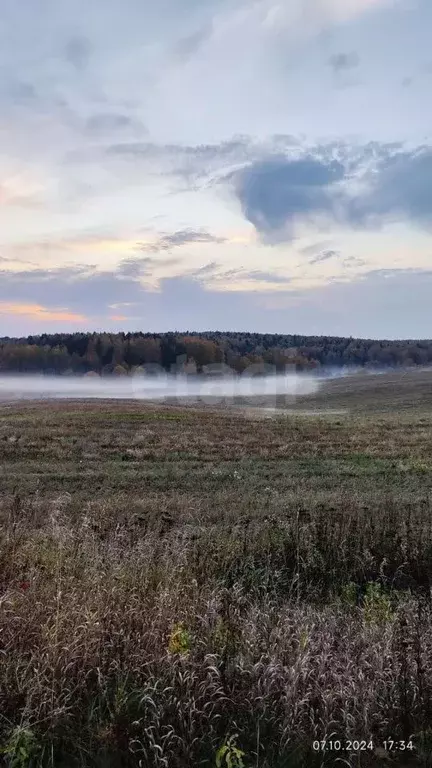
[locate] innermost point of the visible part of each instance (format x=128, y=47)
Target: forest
x=125, y=353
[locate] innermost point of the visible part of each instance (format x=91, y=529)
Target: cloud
x=20, y=190
x=341, y=62
x=232, y=137
x=208, y=269
x=103, y=123
x=314, y=248
x=85, y=292
x=134, y=268
x=122, y=304
x=15, y=260
x=274, y=192
x=188, y=162
x=77, y=52
x=177, y=239
x=353, y=261
x=132, y=257
x=37, y=312
x=324, y=256
x=76, y=246
x=214, y=276
x=186, y=47
x=341, y=11
x=365, y=188
x=382, y=303
x=22, y=92
x=267, y=277
x=401, y=187
x=299, y=19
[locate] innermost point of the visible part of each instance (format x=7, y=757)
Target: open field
x=171, y=577
x=391, y=392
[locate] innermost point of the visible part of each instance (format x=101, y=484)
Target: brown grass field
x=197, y=586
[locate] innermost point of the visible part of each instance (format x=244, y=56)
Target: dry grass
x=171, y=577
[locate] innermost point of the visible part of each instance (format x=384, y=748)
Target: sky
x=246, y=165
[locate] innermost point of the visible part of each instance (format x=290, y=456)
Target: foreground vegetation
x=184, y=587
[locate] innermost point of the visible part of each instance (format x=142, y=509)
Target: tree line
x=124, y=353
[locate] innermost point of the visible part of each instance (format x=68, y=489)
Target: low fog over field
x=161, y=387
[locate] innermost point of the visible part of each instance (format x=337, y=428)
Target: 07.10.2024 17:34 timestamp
x=362, y=745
